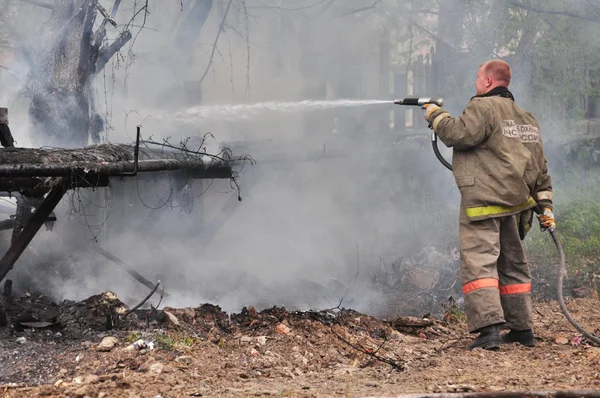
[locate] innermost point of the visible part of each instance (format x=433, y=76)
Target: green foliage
x=165, y=341
x=177, y=339
x=582, y=150
x=187, y=341
x=453, y=313
x=133, y=337
x=577, y=212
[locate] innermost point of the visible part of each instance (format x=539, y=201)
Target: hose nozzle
x=419, y=101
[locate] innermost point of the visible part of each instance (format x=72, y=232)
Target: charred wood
x=9, y=223
x=30, y=171
x=7, y=293
x=25, y=236
x=107, y=17
x=106, y=52
x=63, y=70
x=3, y=316
x=136, y=275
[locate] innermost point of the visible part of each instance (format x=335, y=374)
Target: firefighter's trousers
x=495, y=275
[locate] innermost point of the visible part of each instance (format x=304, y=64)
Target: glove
x=546, y=220
x=429, y=109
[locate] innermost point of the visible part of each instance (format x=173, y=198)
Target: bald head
x=492, y=74
x=499, y=70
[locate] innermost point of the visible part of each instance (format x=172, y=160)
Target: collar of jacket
x=499, y=91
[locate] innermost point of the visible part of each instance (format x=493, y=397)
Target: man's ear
x=488, y=80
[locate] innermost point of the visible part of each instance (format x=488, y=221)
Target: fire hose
x=562, y=270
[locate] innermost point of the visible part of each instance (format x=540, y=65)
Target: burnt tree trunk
x=69, y=55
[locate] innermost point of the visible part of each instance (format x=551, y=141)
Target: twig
x=335, y=308
x=142, y=302
x=39, y=3
x=214, y=48
x=375, y=3
x=107, y=17
x=565, y=13
x=201, y=150
x=391, y=362
x=153, y=308
x=451, y=343
x=136, y=275
x=247, y=31
x=374, y=353
x=300, y=8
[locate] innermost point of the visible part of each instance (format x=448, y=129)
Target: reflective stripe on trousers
x=517, y=288
x=495, y=276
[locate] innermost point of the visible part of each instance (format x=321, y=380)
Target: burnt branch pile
x=32, y=172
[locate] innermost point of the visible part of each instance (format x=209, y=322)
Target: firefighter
x=6, y=138
x=501, y=172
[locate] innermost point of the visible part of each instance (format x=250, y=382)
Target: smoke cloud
x=337, y=195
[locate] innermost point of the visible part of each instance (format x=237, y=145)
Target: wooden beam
x=32, y=227
x=26, y=170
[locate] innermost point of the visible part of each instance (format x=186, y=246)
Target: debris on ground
x=87, y=349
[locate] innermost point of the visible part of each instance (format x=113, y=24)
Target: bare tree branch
x=142, y=302
x=39, y=3
x=106, y=53
x=429, y=33
x=115, y=8
x=107, y=17
x=318, y=3
x=565, y=13
x=214, y=48
x=375, y=3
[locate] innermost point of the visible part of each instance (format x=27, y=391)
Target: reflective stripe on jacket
x=498, y=159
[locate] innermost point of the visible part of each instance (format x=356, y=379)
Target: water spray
x=562, y=270
x=253, y=111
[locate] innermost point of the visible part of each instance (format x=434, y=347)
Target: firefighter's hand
x=547, y=220
x=429, y=109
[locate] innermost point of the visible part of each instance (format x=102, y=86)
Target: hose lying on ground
x=562, y=271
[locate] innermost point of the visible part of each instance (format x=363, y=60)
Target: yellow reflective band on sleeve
x=486, y=211
x=544, y=195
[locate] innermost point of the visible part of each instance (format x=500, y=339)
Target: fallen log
x=31, y=170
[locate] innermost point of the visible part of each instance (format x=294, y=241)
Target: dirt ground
x=85, y=350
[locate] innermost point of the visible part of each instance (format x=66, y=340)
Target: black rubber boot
x=524, y=337
x=489, y=338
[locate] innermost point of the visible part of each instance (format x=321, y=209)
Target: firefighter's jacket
x=498, y=156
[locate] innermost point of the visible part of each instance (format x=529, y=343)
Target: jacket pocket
x=465, y=181
x=463, y=165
